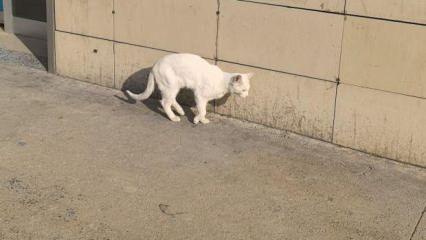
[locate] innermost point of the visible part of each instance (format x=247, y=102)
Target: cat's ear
x=237, y=78
x=250, y=75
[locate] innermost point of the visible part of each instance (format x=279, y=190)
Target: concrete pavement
x=78, y=162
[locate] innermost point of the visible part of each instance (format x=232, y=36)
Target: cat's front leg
x=202, y=111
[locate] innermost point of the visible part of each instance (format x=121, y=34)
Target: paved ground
x=20, y=50
x=76, y=162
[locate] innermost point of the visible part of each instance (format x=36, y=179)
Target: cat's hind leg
x=202, y=111
x=178, y=108
x=168, y=98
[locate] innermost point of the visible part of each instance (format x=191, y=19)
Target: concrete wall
x=353, y=74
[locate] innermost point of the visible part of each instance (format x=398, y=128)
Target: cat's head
x=240, y=84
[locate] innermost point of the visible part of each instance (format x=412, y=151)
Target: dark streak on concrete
x=417, y=224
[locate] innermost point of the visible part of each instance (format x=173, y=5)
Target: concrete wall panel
x=323, y=5
x=289, y=40
x=403, y=10
x=87, y=17
x=174, y=25
x=133, y=63
x=284, y=101
x=387, y=124
x=385, y=55
x=84, y=58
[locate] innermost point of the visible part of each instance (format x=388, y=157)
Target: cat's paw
x=196, y=120
x=175, y=119
x=180, y=112
x=204, y=121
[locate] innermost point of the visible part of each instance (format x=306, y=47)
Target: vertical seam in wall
x=217, y=31
x=113, y=41
x=51, y=42
x=344, y=7
x=339, y=73
x=54, y=36
x=217, y=44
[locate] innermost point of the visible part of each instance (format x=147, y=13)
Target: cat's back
x=185, y=70
x=183, y=60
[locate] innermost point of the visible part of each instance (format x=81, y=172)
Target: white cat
x=176, y=71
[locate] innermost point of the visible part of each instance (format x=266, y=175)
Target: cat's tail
x=148, y=91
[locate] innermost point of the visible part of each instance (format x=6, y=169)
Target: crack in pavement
x=418, y=223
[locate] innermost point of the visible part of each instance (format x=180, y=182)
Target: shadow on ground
x=37, y=47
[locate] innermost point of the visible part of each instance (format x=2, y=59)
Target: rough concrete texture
x=306, y=43
x=411, y=11
x=23, y=59
x=133, y=63
x=391, y=59
x=77, y=162
x=300, y=104
x=390, y=125
x=93, y=18
x=84, y=58
x=173, y=25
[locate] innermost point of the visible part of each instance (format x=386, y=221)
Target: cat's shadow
x=137, y=82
